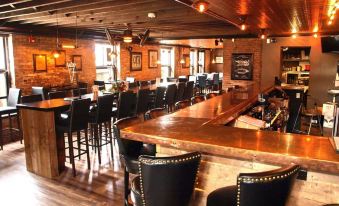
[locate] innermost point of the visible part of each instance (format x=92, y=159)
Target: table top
x=201, y=128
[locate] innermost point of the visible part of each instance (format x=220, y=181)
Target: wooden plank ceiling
x=175, y=18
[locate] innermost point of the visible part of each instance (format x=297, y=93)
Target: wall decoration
x=40, y=62
x=136, y=61
x=219, y=60
x=152, y=58
x=242, y=66
x=108, y=55
x=187, y=60
x=61, y=61
x=77, y=59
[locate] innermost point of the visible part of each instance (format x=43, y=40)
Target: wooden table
x=228, y=150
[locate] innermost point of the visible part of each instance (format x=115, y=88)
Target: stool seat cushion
x=7, y=110
x=223, y=196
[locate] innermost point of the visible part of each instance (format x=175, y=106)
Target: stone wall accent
x=23, y=51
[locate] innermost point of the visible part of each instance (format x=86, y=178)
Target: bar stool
x=12, y=100
x=40, y=90
x=170, y=97
x=31, y=98
x=197, y=99
x=156, y=112
x=76, y=120
x=165, y=181
x=56, y=95
x=130, y=150
x=188, y=93
x=143, y=99
x=101, y=114
x=202, y=83
x=180, y=91
x=257, y=189
x=211, y=95
x=310, y=114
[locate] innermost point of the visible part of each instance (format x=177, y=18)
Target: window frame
x=6, y=56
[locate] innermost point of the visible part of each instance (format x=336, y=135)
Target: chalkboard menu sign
x=242, y=67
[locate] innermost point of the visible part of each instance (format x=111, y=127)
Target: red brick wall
x=147, y=73
x=23, y=51
x=243, y=46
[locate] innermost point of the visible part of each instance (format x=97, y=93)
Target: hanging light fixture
x=56, y=52
x=201, y=5
x=73, y=46
x=127, y=37
x=243, y=23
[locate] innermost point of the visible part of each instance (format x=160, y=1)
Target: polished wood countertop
x=201, y=128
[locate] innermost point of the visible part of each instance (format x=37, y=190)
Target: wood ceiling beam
x=4, y=3
x=70, y=7
x=31, y=5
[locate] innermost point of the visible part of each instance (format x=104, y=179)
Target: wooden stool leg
x=111, y=139
x=71, y=154
x=1, y=137
x=96, y=137
x=79, y=145
x=10, y=126
x=87, y=150
x=126, y=183
x=319, y=124
x=310, y=125
x=19, y=127
x=106, y=131
x=100, y=136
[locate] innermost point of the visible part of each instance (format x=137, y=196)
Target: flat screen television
x=330, y=44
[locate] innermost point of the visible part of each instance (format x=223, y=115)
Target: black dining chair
x=143, y=99
x=100, y=84
x=9, y=111
x=100, y=115
x=257, y=189
x=79, y=91
x=170, y=97
x=57, y=95
x=130, y=151
x=165, y=181
x=132, y=85
x=143, y=83
x=31, y=98
x=180, y=91
x=126, y=105
x=188, y=92
x=40, y=90
x=75, y=121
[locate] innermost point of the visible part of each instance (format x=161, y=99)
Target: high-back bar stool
x=165, y=181
x=99, y=115
x=75, y=121
x=257, y=189
x=10, y=110
x=130, y=150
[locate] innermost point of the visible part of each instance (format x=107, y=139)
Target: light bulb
x=243, y=27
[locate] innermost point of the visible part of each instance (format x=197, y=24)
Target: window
x=4, y=80
x=166, y=56
x=102, y=56
x=104, y=62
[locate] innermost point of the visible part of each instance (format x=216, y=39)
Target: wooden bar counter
x=228, y=151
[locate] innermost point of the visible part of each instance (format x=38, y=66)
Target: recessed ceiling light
x=151, y=15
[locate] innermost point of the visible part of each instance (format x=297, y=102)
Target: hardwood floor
x=102, y=186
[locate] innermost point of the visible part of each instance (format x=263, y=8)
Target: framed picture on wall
x=40, y=62
x=136, y=61
x=61, y=60
x=187, y=61
x=219, y=60
x=77, y=59
x=152, y=58
x=242, y=66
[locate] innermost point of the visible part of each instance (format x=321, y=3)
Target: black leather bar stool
x=159, y=100
x=182, y=104
x=165, y=181
x=76, y=120
x=271, y=188
x=211, y=95
x=31, y=98
x=188, y=93
x=56, y=95
x=130, y=150
x=10, y=110
x=180, y=91
x=143, y=99
x=201, y=83
x=126, y=105
x=101, y=115
x=170, y=97
x=40, y=90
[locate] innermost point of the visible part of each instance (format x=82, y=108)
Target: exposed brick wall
x=179, y=69
x=147, y=73
x=23, y=51
x=243, y=46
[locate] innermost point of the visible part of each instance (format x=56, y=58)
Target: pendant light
x=73, y=46
x=201, y=5
x=127, y=37
x=56, y=53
